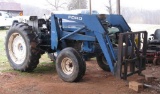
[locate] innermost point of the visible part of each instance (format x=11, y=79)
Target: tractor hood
x=114, y=20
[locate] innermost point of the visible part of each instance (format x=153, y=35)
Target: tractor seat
x=154, y=42
x=156, y=38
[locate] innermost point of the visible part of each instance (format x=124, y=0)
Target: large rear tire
x=21, y=48
x=101, y=61
x=70, y=66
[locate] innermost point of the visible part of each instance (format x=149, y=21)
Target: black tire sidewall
x=101, y=63
x=14, y=22
x=77, y=61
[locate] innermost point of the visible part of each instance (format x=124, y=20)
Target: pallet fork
x=135, y=61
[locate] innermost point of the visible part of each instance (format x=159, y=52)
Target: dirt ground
x=95, y=81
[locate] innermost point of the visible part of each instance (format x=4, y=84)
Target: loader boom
x=70, y=40
x=97, y=33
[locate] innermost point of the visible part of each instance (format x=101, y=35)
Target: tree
x=109, y=7
x=56, y=4
x=77, y=4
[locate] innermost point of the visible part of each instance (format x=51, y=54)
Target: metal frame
x=133, y=62
x=90, y=23
x=94, y=31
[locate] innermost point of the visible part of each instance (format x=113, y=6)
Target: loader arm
x=93, y=24
x=91, y=29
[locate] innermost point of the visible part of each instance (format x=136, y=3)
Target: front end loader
x=71, y=39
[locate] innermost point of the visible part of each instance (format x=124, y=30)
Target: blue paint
x=88, y=29
x=54, y=34
x=72, y=33
x=118, y=20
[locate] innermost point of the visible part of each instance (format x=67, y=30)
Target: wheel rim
x=67, y=66
x=17, y=48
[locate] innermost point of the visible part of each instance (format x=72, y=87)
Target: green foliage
x=45, y=67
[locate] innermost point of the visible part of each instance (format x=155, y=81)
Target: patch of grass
x=45, y=68
x=4, y=65
x=44, y=58
x=2, y=49
x=42, y=68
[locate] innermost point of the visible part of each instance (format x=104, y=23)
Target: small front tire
x=70, y=66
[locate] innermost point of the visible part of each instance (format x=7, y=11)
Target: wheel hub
x=20, y=47
x=17, y=48
x=67, y=66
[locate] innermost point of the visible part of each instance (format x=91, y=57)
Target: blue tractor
x=74, y=38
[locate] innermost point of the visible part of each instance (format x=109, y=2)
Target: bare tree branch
x=109, y=7
x=50, y=3
x=56, y=4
